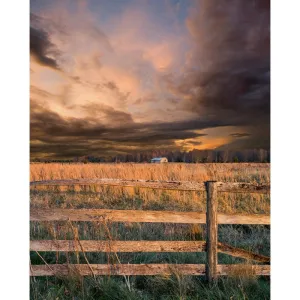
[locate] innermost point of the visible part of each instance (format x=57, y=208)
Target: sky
x=122, y=76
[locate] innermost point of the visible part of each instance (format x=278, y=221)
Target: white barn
x=159, y=160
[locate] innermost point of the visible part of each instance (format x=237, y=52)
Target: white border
x=285, y=146
x=14, y=173
x=14, y=149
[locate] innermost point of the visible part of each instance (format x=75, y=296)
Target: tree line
x=194, y=156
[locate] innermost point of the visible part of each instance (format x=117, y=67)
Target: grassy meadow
x=255, y=238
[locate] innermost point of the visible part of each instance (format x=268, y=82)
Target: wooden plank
x=236, y=187
x=237, y=252
x=259, y=219
x=145, y=269
x=152, y=184
x=116, y=215
x=212, y=231
x=242, y=187
x=117, y=246
x=244, y=270
x=57, y=214
x=140, y=246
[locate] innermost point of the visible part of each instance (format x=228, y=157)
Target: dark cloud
x=76, y=149
x=230, y=73
x=234, y=61
x=260, y=142
x=41, y=47
x=140, y=138
x=54, y=136
x=194, y=124
x=257, y=137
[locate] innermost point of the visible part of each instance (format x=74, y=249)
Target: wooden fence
x=211, y=246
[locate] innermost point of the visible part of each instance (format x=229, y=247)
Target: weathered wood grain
x=259, y=219
x=237, y=252
x=116, y=215
x=144, y=269
x=236, y=187
x=244, y=269
x=141, y=216
x=140, y=246
x=117, y=246
x=212, y=230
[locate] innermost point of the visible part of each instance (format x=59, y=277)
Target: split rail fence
x=211, y=218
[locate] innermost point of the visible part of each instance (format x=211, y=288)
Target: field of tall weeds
x=242, y=172
x=255, y=238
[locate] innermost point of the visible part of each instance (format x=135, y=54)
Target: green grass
x=149, y=287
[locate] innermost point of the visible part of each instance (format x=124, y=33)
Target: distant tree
x=204, y=159
x=198, y=160
x=235, y=159
x=220, y=158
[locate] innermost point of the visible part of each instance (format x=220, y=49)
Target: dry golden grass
x=139, y=198
x=248, y=172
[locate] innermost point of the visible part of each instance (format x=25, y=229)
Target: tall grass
x=247, y=172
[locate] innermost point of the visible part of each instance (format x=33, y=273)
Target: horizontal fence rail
x=118, y=246
x=145, y=269
x=234, y=187
x=211, y=246
x=140, y=246
x=150, y=216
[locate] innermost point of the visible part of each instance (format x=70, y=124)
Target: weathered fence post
x=212, y=230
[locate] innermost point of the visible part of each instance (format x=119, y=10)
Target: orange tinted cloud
x=141, y=67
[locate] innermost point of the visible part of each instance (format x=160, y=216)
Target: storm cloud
x=50, y=131
x=229, y=72
x=121, y=87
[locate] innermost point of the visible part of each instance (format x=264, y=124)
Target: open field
x=255, y=238
x=248, y=172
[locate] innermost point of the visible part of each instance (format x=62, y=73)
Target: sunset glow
x=111, y=77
